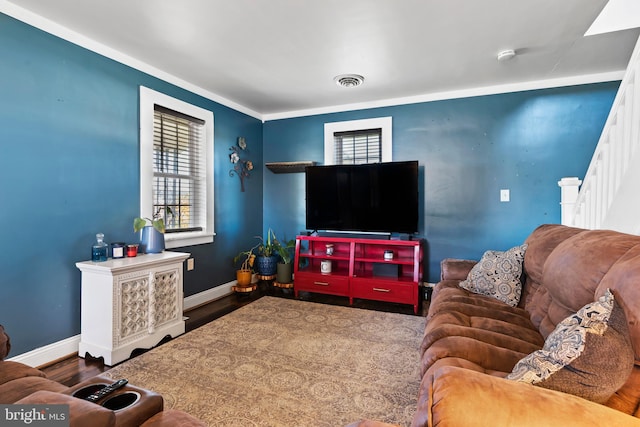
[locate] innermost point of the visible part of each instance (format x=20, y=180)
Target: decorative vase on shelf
x=267, y=265
x=99, y=250
x=151, y=241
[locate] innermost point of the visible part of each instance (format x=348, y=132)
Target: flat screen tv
x=379, y=197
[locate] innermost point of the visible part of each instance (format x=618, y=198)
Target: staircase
x=610, y=194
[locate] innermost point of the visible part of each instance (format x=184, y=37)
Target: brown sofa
x=472, y=342
x=22, y=384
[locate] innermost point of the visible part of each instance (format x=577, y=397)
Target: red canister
x=132, y=250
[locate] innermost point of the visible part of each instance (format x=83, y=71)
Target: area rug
x=280, y=362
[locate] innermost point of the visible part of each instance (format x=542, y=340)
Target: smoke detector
x=506, y=55
x=348, y=80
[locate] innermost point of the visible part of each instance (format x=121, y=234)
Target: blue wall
x=69, y=167
x=468, y=149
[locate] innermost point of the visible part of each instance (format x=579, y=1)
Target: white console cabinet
x=130, y=303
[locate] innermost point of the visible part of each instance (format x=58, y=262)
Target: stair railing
x=610, y=192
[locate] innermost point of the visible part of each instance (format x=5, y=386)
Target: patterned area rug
x=280, y=362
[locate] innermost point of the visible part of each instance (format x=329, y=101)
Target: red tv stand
x=359, y=268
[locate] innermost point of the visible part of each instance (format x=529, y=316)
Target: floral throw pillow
x=497, y=275
x=589, y=354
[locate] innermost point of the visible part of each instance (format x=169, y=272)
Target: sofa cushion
x=572, y=272
x=588, y=354
x=489, y=332
x=490, y=357
x=448, y=296
x=497, y=275
x=12, y=391
x=10, y=370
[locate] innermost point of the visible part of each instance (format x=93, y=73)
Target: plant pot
x=243, y=277
x=267, y=265
x=151, y=240
x=284, y=273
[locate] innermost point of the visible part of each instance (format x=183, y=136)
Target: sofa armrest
x=149, y=404
x=462, y=397
x=455, y=269
x=82, y=413
x=5, y=343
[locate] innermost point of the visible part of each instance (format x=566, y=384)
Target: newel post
x=569, y=188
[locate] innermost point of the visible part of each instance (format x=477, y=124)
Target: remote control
x=94, y=397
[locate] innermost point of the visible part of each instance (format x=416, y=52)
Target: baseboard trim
x=48, y=354
x=209, y=295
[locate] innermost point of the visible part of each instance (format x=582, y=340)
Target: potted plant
x=267, y=254
x=244, y=273
x=284, y=270
x=152, y=238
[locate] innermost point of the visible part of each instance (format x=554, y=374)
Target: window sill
x=187, y=239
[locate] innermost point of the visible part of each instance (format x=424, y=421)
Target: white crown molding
x=455, y=94
x=80, y=40
x=76, y=38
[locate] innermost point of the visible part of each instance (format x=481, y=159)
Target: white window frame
x=149, y=98
x=384, y=123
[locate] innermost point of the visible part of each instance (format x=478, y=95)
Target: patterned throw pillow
x=588, y=354
x=497, y=275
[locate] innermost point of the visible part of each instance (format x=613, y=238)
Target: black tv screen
x=379, y=197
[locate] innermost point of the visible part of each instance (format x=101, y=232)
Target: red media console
x=383, y=270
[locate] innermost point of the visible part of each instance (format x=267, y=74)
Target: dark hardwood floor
x=74, y=369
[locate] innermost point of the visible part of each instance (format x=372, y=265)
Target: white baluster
x=568, y=196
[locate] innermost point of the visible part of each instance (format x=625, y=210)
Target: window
x=357, y=147
x=358, y=141
x=176, y=167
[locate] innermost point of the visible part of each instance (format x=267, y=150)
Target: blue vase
x=151, y=241
x=267, y=265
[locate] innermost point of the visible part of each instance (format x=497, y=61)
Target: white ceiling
x=277, y=58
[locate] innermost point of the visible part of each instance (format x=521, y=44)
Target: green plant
x=247, y=258
x=157, y=222
x=285, y=250
x=268, y=246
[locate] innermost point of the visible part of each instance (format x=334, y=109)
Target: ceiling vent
x=348, y=80
x=506, y=55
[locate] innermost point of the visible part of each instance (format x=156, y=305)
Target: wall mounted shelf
x=288, y=167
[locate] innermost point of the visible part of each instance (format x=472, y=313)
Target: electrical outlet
x=190, y=265
x=504, y=195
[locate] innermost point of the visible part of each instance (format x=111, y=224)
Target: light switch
x=504, y=195
x=190, y=264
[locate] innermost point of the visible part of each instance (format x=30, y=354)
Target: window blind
x=178, y=170
x=358, y=147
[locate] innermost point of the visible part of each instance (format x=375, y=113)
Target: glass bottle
x=99, y=249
